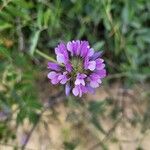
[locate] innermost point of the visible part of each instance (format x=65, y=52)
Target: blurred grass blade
x=99, y=45
x=4, y=52
x=4, y=25
x=34, y=40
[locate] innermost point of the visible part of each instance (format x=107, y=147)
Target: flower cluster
x=79, y=67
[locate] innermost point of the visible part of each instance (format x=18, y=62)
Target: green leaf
x=34, y=104
x=97, y=124
x=40, y=16
x=4, y=26
x=97, y=107
x=47, y=17
x=99, y=45
x=21, y=116
x=4, y=51
x=24, y=4
x=34, y=41
x=33, y=117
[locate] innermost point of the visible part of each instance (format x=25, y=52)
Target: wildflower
x=79, y=68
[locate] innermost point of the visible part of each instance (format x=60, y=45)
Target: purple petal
x=53, y=66
x=67, y=89
x=61, y=58
x=54, y=77
x=99, y=64
x=86, y=62
x=84, y=89
x=83, y=75
x=94, y=84
x=74, y=47
x=84, y=48
x=101, y=73
x=68, y=67
x=70, y=47
x=63, y=78
x=61, y=49
x=96, y=55
x=51, y=75
x=90, y=89
x=79, y=81
x=90, y=52
x=62, y=54
x=78, y=48
x=92, y=65
x=75, y=91
x=55, y=81
x=100, y=67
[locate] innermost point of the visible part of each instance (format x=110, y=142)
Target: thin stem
x=45, y=56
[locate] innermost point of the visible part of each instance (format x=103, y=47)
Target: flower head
x=79, y=68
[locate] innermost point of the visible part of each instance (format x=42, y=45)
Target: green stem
x=45, y=56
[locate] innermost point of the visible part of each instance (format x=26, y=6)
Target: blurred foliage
x=120, y=28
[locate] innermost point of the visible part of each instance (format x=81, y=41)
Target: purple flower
x=79, y=68
x=54, y=77
x=78, y=90
x=80, y=79
x=63, y=78
x=54, y=66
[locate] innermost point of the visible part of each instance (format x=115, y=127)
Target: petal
x=64, y=80
x=92, y=65
x=67, y=89
x=90, y=89
x=99, y=61
x=86, y=62
x=84, y=48
x=83, y=75
x=94, y=84
x=75, y=91
x=94, y=76
x=99, y=81
x=91, y=52
x=75, y=47
x=70, y=47
x=100, y=66
x=80, y=93
x=77, y=82
x=63, y=49
x=96, y=55
x=57, y=51
x=84, y=89
x=55, y=81
x=62, y=53
x=53, y=66
x=78, y=48
x=82, y=82
x=51, y=75
x=68, y=67
x=60, y=77
x=101, y=73
x=60, y=58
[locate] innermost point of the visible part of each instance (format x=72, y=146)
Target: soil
x=54, y=131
